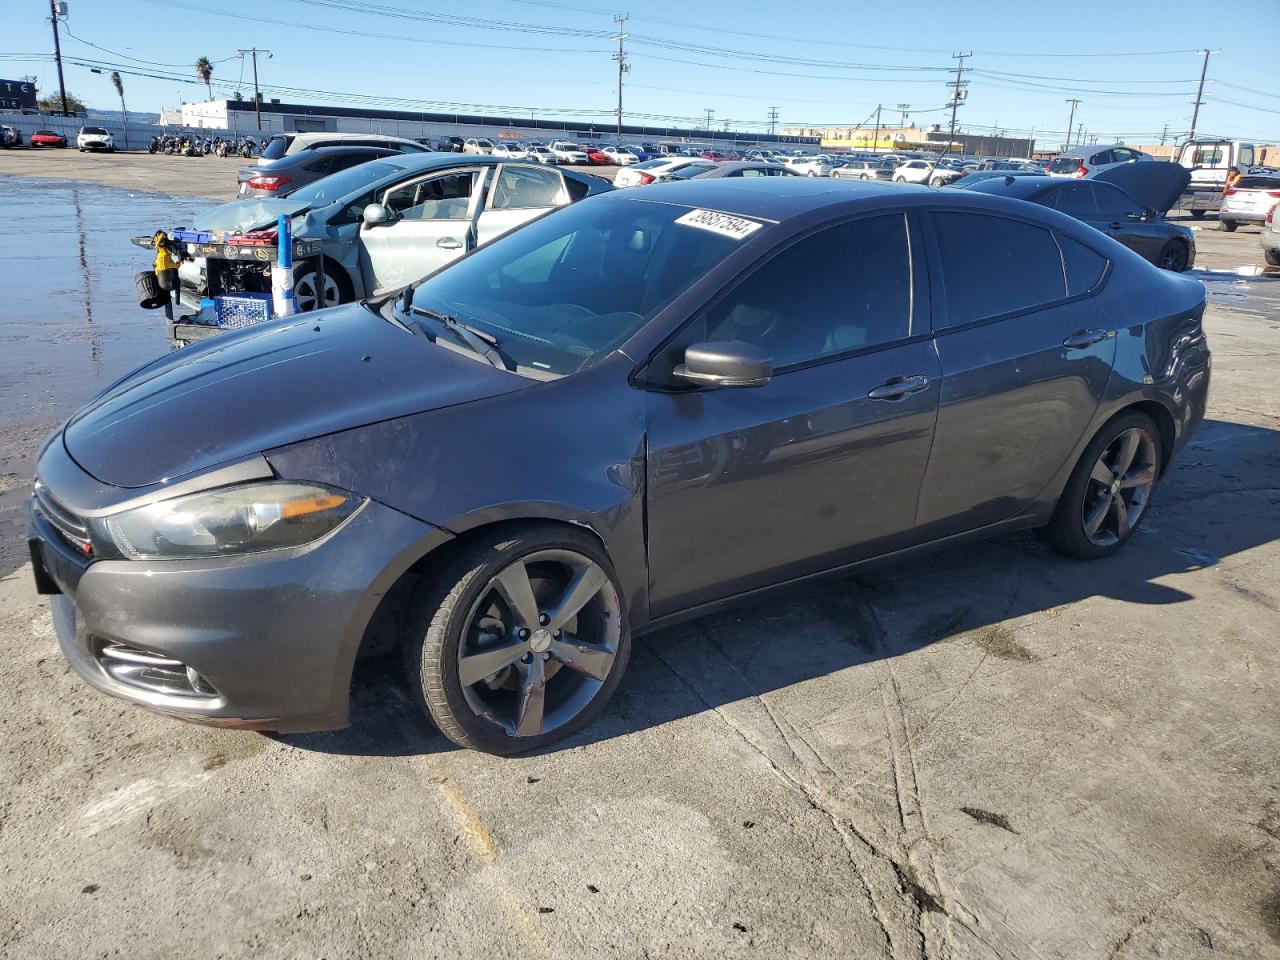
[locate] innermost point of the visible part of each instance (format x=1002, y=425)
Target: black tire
x=1272, y=257
x=1066, y=530
x=1227, y=225
x=1198, y=214
x=899, y=179
x=335, y=278
x=1174, y=256
x=439, y=620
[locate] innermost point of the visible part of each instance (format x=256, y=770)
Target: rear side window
x=1113, y=202
x=992, y=266
x=843, y=289
x=1258, y=183
x=1084, y=267
x=1076, y=200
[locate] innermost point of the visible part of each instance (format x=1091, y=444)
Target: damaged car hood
x=239, y=394
x=242, y=215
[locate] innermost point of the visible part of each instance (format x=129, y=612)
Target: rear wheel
x=1227, y=225
x=1173, y=256
x=899, y=179
x=520, y=640
x=1109, y=490
x=1197, y=214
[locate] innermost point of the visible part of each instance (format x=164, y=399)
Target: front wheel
x=1227, y=225
x=1272, y=257
x=520, y=640
x=307, y=288
x=1173, y=256
x=1109, y=490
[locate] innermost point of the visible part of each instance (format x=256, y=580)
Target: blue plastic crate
x=192, y=236
x=242, y=309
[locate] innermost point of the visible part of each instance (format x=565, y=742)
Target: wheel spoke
x=587, y=658
x=474, y=668
x=1094, y=520
x=1142, y=477
x=1102, y=474
x=513, y=584
x=533, y=689
x=1128, y=449
x=1122, y=517
x=586, y=583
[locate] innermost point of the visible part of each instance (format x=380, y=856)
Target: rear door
x=433, y=220
x=1026, y=355
x=821, y=465
x=517, y=193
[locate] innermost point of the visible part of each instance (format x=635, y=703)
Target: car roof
x=1095, y=148
x=774, y=198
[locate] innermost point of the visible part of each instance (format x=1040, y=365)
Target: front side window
x=992, y=266
x=517, y=188
x=446, y=197
x=1246, y=156
x=1113, y=203
x=845, y=288
x=1077, y=200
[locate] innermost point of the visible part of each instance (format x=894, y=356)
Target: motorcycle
x=157, y=144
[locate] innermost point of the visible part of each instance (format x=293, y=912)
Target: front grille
x=70, y=527
x=151, y=671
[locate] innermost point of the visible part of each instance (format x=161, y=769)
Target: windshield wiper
x=476, y=340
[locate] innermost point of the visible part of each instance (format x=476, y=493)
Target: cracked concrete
x=988, y=753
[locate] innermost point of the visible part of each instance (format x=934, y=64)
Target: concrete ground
x=991, y=753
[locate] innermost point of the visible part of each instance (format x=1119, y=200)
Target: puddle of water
x=69, y=318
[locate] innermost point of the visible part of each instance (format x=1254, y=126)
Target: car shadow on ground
x=1225, y=477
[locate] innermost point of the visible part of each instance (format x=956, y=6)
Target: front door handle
x=449, y=243
x=899, y=387
x=1085, y=338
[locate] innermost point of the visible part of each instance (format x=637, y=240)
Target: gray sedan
x=280, y=178
x=646, y=406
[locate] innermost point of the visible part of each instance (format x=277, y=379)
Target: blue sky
x=819, y=63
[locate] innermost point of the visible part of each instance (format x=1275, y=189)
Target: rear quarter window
x=993, y=266
x=1084, y=267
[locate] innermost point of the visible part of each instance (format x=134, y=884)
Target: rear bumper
x=1242, y=216
x=272, y=636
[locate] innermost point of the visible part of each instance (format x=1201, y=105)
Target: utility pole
x=957, y=93
x=773, y=120
x=1195, y=113
x=623, y=66
x=1080, y=134
x=1164, y=134
x=875, y=141
x=904, y=109
x=57, y=53
x=257, y=97
x=710, y=112
x=1070, y=120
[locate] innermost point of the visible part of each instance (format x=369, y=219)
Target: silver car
x=1270, y=238
x=378, y=226
x=478, y=146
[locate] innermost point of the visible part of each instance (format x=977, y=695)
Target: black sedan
x=631, y=411
x=1107, y=203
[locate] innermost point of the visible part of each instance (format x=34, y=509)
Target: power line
x=257, y=95
x=773, y=119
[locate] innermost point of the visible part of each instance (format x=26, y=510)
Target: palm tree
x=204, y=70
x=119, y=85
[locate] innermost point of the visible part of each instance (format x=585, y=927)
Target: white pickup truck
x=1209, y=160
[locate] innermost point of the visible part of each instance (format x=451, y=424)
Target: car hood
x=1156, y=185
x=239, y=394
x=241, y=215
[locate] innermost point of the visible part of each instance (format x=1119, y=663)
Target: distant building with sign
x=17, y=95
x=886, y=139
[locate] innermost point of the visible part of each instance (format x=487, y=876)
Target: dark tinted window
x=1064, y=165
x=1104, y=157
x=1113, y=202
x=322, y=166
x=1258, y=183
x=96, y=131
x=1084, y=267
x=1076, y=200
x=992, y=266
x=842, y=289
x=276, y=148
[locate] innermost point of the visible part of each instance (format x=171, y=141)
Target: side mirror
x=376, y=213
x=727, y=363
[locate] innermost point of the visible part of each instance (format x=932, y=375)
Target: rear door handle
x=899, y=387
x=1085, y=338
x=449, y=243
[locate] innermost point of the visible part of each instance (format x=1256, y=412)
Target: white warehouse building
x=239, y=117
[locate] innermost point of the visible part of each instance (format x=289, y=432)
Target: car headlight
x=231, y=521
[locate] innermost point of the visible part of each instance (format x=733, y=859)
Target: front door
x=820, y=466
x=432, y=220
x=1026, y=355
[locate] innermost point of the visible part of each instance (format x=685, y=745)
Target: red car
x=47, y=138
x=713, y=155
x=596, y=156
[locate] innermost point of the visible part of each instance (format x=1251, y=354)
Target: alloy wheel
x=539, y=642
x=305, y=291
x=1174, y=257
x=1119, y=487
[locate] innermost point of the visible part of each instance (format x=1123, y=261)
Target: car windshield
x=571, y=287
x=485, y=143
x=650, y=164
x=94, y=130
x=327, y=189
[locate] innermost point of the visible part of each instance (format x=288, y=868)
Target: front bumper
x=272, y=636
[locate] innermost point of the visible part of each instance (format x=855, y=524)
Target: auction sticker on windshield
x=722, y=223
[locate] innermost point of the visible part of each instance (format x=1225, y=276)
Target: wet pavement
x=993, y=752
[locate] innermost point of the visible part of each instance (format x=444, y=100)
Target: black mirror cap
x=725, y=363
